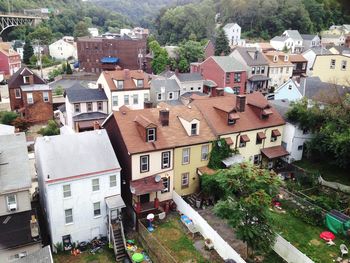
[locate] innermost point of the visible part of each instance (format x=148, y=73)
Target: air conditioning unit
x=12, y=207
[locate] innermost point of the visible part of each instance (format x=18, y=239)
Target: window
x=66, y=191
x=97, y=209
x=257, y=158
x=120, y=84
x=192, y=88
x=306, y=131
x=126, y=99
x=115, y=100
x=159, y=96
x=258, y=70
x=258, y=139
x=273, y=138
x=262, y=70
x=186, y=156
x=242, y=143
x=205, y=152
x=68, y=216
x=194, y=129
x=112, y=181
x=165, y=160
x=89, y=106
x=18, y=93
x=95, y=184
x=135, y=99
x=185, y=180
x=236, y=90
x=100, y=105
x=166, y=183
x=237, y=77
x=304, y=66
x=151, y=134
x=140, y=83
x=146, y=97
x=300, y=148
x=231, y=121
x=253, y=70
x=46, y=96
x=281, y=70
x=343, y=65
x=77, y=107
x=332, y=66
x=170, y=96
x=144, y=163
x=287, y=69
x=26, y=79
x=30, y=98
x=11, y=202
x=227, y=78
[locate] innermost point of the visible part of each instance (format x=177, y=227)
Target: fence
x=220, y=245
x=334, y=185
x=289, y=252
x=156, y=250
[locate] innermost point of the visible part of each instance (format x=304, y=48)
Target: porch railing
x=111, y=231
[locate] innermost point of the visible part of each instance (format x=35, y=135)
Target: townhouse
x=310, y=56
x=160, y=150
x=63, y=49
x=310, y=41
x=164, y=90
x=125, y=87
x=233, y=34
x=290, y=39
x=299, y=65
x=249, y=125
x=10, y=60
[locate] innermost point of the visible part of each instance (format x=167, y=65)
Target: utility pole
x=40, y=57
x=8, y=6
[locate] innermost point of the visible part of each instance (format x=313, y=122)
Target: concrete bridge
x=16, y=19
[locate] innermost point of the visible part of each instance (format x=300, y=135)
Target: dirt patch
x=315, y=242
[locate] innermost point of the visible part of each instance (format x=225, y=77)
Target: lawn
x=105, y=256
x=180, y=245
x=306, y=237
x=328, y=172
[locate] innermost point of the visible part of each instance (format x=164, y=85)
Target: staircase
x=118, y=241
x=191, y=199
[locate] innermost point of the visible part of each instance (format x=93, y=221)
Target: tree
x=43, y=34
x=69, y=69
x=81, y=29
x=51, y=129
x=160, y=57
x=221, y=43
x=245, y=192
x=7, y=117
x=21, y=123
x=192, y=51
x=28, y=52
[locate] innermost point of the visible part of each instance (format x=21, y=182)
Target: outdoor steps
x=119, y=245
x=191, y=199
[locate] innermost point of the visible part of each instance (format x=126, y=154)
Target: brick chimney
x=96, y=125
x=126, y=73
x=147, y=104
x=219, y=92
x=164, y=117
x=240, y=103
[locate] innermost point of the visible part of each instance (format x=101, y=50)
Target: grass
x=328, y=172
x=180, y=245
x=306, y=237
x=105, y=256
x=272, y=257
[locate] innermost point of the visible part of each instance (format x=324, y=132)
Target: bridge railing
x=18, y=14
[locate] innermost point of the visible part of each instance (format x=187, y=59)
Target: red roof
x=274, y=152
x=146, y=185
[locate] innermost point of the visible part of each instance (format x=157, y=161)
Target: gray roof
x=14, y=163
x=168, y=84
x=189, y=94
x=62, y=108
x=183, y=77
x=90, y=116
x=67, y=155
x=229, y=25
x=43, y=255
x=308, y=36
x=210, y=83
x=259, y=78
x=80, y=94
x=294, y=34
x=229, y=64
x=320, y=51
x=35, y=87
x=342, y=49
x=6, y=129
x=317, y=90
x=67, y=83
x=167, y=73
x=252, y=56
x=282, y=106
x=279, y=38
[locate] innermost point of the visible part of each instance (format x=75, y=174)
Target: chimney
x=99, y=86
x=147, y=104
x=126, y=73
x=256, y=55
x=31, y=79
x=164, y=117
x=240, y=103
x=96, y=125
x=219, y=92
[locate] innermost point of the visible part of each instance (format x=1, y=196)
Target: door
x=144, y=198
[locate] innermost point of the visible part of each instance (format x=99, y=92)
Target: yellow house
x=248, y=124
x=332, y=68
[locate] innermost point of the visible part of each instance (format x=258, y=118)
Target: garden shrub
x=220, y=151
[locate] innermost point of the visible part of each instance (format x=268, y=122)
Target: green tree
x=81, y=29
x=221, y=43
x=192, y=51
x=183, y=65
x=43, y=34
x=69, y=69
x=7, y=117
x=28, y=52
x=160, y=57
x=51, y=129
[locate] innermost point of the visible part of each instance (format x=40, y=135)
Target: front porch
x=258, y=83
x=272, y=157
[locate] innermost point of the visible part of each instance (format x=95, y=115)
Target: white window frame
x=170, y=95
x=135, y=99
x=343, y=65
x=165, y=159
x=205, y=152
x=126, y=100
x=151, y=134
x=166, y=183
x=185, y=180
x=68, y=216
x=87, y=106
x=112, y=181
x=95, y=187
x=120, y=84
x=100, y=105
x=140, y=83
x=97, y=209
x=186, y=155
x=159, y=96
x=144, y=160
x=194, y=129
x=18, y=94
x=115, y=100
x=76, y=107
x=46, y=97
x=66, y=192
x=30, y=99
x=26, y=79
x=11, y=202
x=333, y=62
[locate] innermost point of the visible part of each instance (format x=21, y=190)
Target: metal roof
x=229, y=64
x=85, y=95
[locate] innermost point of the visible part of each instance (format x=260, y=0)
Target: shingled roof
x=128, y=76
x=229, y=64
x=81, y=94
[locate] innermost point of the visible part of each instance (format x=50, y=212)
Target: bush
x=220, y=151
x=21, y=123
x=50, y=130
x=7, y=117
x=59, y=90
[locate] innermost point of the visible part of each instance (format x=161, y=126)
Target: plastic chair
x=343, y=250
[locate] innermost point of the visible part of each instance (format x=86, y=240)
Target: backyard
x=106, y=255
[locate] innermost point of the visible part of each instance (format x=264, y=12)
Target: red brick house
x=209, y=49
x=10, y=60
x=30, y=96
x=225, y=71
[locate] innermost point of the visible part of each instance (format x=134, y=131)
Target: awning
x=205, y=170
x=274, y=152
x=109, y=60
x=229, y=161
x=229, y=141
x=233, y=116
x=210, y=83
x=276, y=133
x=146, y=185
x=267, y=111
x=88, y=124
x=261, y=135
x=244, y=138
x=258, y=78
x=115, y=201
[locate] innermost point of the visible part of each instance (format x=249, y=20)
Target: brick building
x=10, y=60
x=30, y=96
x=101, y=53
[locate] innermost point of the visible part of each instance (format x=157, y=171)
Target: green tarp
x=337, y=226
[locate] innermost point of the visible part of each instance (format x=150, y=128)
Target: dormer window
x=194, y=129
x=25, y=79
x=275, y=58
x=151, y=134
x=140, y=83
x=231, y=121
x=120, y=84
x=286, y=58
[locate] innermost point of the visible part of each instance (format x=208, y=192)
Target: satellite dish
x=157, y=178
x=132, y=190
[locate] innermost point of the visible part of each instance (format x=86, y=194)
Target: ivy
x=220, y=150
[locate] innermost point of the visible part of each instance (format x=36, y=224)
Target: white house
x=294, y=138
x=84, y=107
x=310, y=56
x=125, y=87
x=189, y=82
x=310, y=41
x=290, y=39
x=288, y=91
x=233, y=34
x=79, y=184
x=63, y=49
x=333, y=39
